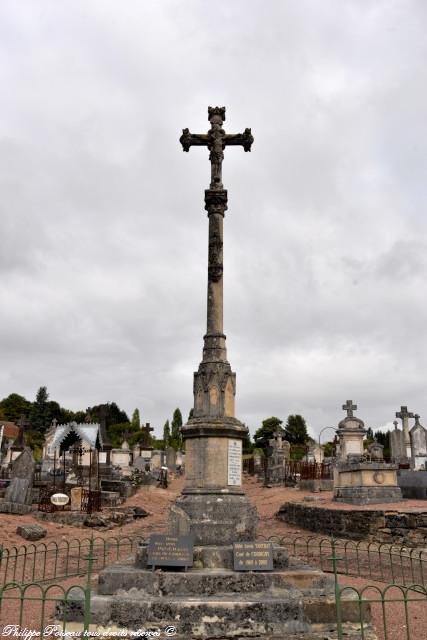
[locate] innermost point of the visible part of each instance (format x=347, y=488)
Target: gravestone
x=18, y=496
x=397, y=444
x=418, y=436
x=139, y=463
x=376, y=451
x=404, y=415
x=171, y=458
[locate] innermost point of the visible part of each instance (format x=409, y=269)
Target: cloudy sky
x=103, y=253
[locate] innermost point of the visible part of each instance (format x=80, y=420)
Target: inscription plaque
x=253, y=556
x=235, y=462
x=170, y=551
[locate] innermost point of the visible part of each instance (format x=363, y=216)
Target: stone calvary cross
x=213, y=505
x=216, y=140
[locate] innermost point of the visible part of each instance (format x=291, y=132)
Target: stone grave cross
x=404, y=415
x=349, y=407
x=146, y=435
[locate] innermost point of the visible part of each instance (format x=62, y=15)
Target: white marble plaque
x=102, y=455
x=235, y=462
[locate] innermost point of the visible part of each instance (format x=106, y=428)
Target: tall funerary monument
x=213, y=506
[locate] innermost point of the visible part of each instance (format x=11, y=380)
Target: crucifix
x=215, y=204
x=213, y=435
x=216, y=140
x=349, y=407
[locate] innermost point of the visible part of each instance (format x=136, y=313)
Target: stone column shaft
x=215, y=279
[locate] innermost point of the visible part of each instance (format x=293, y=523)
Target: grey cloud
x=103, y=232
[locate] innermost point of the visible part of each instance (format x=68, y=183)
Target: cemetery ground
x=300, y=542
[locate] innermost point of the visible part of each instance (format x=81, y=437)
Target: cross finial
x=404, y=413
x=216, y=140
x=349, y=407
x=417, y=418
x=395, y=422
x=54, y=422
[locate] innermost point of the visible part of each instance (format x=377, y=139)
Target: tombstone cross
x=216, y=140
x=349, y=407
x=395, y=422
x=404, y=413
x=146, y=434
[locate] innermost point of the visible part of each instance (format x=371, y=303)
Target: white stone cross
x=349, y=407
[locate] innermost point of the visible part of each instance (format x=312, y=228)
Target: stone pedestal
x=213, y=601
x=363, y=483
x=215, y=516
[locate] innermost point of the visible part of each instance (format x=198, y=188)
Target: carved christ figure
x=216, y=140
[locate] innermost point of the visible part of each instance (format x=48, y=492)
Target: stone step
x=126, y=578
x=215, y=617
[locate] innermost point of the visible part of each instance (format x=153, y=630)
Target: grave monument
x=213, y=505
x=18, y=496
x=356, y=480
x=404, y=415
x=213, y=579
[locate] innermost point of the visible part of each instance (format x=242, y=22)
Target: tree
x=14, y=406
x=136, y=422
x=115, y=414
x=369, y=438
x=176, y=437
x=383, y=437
x=166, y=433
x=39, y=417
x=247, y=446
x=296, y=430
x=265, y=433
x=116, y=433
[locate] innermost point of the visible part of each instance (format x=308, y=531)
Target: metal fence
x=42, y=562
x=382, y=562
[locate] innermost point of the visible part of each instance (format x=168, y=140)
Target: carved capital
x=216, y=201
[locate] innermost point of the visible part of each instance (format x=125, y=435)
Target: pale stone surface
x=366, y=483
x=76, y=498
x=397, y=444
x=418, y=437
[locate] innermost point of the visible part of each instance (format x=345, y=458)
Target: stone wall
x=381, y=525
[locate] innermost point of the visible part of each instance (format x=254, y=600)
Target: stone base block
x=248, y=615
x=15, y=508
x=214, y=518
x=367, y=495
x=120, y=579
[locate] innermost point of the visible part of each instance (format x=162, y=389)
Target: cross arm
x=244, y=139
x=192, y=140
